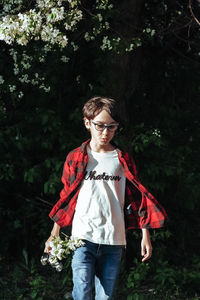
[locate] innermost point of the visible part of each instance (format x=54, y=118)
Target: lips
x=104, y=140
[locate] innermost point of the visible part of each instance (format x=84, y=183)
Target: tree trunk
x=128, y=66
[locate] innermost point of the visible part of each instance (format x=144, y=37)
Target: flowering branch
x=60, y=249
x=40, y=23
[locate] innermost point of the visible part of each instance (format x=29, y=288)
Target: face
x=101, y=137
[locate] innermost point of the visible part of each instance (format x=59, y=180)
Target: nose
x=105, y=131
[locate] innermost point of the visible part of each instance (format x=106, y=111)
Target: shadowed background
x=148, y=60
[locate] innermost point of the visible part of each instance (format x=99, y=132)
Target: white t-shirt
x=99, y=213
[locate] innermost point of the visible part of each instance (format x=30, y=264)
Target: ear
x=87, y=123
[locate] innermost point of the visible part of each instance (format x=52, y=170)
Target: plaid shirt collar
x=83, y=148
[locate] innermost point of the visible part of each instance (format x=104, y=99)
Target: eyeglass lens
x=101, y=127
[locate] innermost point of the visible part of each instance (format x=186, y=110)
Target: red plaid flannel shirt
x=146, y=212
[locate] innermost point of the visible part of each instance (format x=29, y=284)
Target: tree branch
x=192, y=13
x=36, y=200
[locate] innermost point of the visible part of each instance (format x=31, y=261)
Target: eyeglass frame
x=105, y=126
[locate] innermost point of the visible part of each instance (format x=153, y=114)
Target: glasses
x=101, y=127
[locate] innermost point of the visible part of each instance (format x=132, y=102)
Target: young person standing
x=99, y=200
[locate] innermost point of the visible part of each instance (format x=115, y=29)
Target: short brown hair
x=96, y=104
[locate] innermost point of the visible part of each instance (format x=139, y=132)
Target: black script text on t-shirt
x=103, y=176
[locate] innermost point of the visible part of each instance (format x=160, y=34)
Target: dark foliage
x=157, y=86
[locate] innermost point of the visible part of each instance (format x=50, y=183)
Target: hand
x=55, y=232
x=47, y=248
x=146, y=247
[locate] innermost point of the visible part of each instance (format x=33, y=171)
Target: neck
x=101, y=148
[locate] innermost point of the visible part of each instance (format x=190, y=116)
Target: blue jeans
x=95, y=265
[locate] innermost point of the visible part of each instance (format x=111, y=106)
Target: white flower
x=40, y=23
x=20, y=95
x=1, y=79
x=54, y=252
x=78, y=78
x=75, y=47
x=60, y=248
x=51, y=244
x=45, y=3
x=74, y=243
x=22, y=41
x=63, y=41
x=65, y=59
x=106, y=44
x=90, y=86
x=99, y=16
x=156, y=132
x=60, y=254
x=12, y=88
x=52, y=259
x=67, y=26
x=56, y=14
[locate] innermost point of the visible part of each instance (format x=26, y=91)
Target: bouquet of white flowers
x=59, y=250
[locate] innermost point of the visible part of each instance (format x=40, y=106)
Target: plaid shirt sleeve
x=63, y=211
x=58, y=211
x=146, y=212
